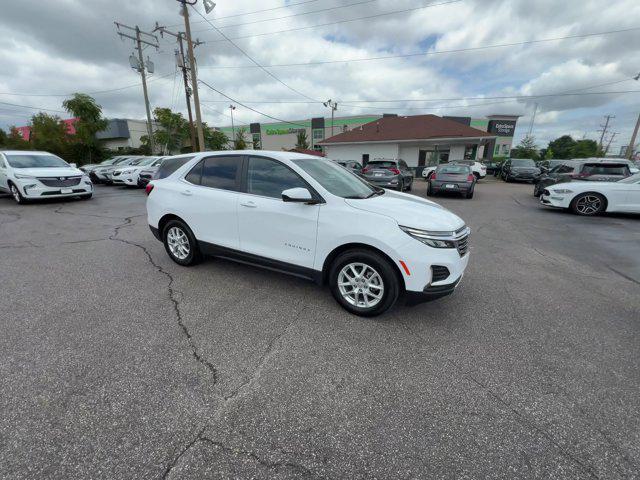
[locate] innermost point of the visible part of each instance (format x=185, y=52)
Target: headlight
x=131, y=170
x=562, y=190
x=20, y=175
x=437, y=239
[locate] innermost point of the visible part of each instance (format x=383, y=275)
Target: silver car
x=385, y=173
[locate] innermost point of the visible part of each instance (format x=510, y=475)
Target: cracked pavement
x=117, y=363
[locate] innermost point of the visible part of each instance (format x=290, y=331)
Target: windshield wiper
x=375, y=193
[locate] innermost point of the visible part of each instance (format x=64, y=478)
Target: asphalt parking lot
x=117, y=363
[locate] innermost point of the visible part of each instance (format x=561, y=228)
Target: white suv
x=310, y=217
x=28, y=175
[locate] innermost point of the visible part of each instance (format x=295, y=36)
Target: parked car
x=165, y=167
x=452, y=178
x=477, y=168
x=520, y=169
x=92, y=166
x=307, y=216
x=29, y=175
x=546, y=165
x=128, y=175
x=598, y=170
x=492, y=166
x=351, y=165
x=559, y=173
x=102, y=174
x=389, y=174
x=592, y=198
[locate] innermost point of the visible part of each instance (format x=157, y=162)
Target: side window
x=269, y=178
x=170, y=165
x=220, y=172
x=195, y=174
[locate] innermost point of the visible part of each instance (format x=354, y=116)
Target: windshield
x=36, y=161
x=632, y=179
x=121, y=160
x=109, y=161
x=146, y=161
x=337, y=180
x=523, y=162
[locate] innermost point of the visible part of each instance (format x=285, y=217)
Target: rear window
x=454, y=169
x=382, y=164
x=605, y=169
x=523, y=162
x=170, y=165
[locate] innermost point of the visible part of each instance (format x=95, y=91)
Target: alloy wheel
x=15, y=193
x=178, y=243
x=589, y=204
x=360, y=285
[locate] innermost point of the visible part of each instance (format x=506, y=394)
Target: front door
x=270, y=227
x=3, y=175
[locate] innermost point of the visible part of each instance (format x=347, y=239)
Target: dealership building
x=417, y=139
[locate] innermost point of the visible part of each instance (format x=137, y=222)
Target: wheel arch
x=328, y=261
x=166, y=219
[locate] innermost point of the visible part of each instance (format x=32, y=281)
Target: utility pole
x=194, y=75
x=180, y=36
x=140, y=67
x=632, y=143
x=533, y=119
x=233, y=128
x=334, y=107
x=613, y=135
x=605, y=127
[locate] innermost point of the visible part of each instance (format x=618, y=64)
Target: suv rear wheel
x=364, y=282
x=180, y=243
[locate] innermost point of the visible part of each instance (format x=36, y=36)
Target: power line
x=250, y=108
x=292, y=15
x=32, y=108
x=254, y=11
x=252, y=59
x=342, y=21
x=433, y=52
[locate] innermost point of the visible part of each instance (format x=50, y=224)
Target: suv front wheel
x=364, y=282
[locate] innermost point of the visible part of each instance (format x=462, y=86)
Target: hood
x=410, y=211
x=526, y=169
x=127, y=167
x=50, y=172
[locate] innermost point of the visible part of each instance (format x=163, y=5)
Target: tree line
x=562, y=148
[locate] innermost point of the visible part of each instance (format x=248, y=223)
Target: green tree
x=84, y=145
x=562, y=146
x=527, y=148
x=302, y=142
x=3, y=138
x=585, y=149
x=172, y=132
x=548, y=154
x=49, y=133
x=214, y=139
x=239, y=143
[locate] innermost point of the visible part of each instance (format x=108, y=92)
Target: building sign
x=284, y=131
x=502, y=128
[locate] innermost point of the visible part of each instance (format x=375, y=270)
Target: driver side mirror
x=73, y=165
x=298, y=195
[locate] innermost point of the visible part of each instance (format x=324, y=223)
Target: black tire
x=536, y=190
x=401, y=185
x=470, y=193
x=17, y=196
x=477, y=175
x=86, y=197
x=410, y=185
x=588, y=204
x=194, y=255
x=508, y=179
x=379, y=264
x=430, y=192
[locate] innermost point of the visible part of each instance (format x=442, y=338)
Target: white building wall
x=456, y=152
x=410, y=155
x=355, y=151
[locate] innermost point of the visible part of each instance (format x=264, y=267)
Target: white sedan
x=592, y=198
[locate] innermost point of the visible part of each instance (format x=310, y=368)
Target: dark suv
x=389, y=174
x=351, y=165
x=595, y=170
x=520, y=169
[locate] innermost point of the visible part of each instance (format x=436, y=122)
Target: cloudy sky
x=50, y=49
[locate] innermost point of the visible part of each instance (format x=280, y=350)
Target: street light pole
x=334, y=106
x=233, y=128
x=632, y=143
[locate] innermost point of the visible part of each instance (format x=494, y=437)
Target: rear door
x=270, y=227
x=210, y=192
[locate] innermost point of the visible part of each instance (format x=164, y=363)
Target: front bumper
x=430, y=293
x=36, y=190
x=524, y=177
x=458, y=187
x=129, y=179
x=555, y=200
x=384, y=182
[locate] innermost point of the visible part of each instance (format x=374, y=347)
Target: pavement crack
x=266, y=355
x=187, y=447
x=623, y=275
x=172, y=295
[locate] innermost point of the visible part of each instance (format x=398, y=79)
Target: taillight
x=433, y=176
x=365, y=169
x=470, y=178
x=395, y=171
x=148, y=188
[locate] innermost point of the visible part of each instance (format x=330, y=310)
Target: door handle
x=186, y=193
x=249, y=204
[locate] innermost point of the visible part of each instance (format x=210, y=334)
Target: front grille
x=439, y=273
x=59, y=192
x=463, y=245
x=60, y=181
x=115, y=174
